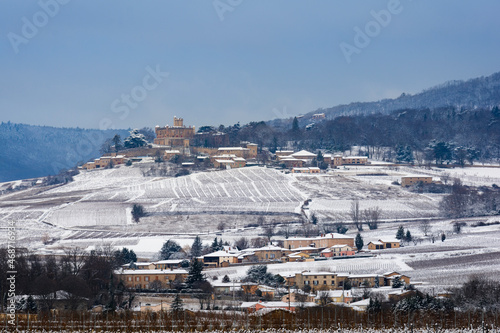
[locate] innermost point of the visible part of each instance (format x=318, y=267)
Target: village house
x=366, y=280
x=222, y=258
x=304, y=155
x=249, y=151
x=391, y=275
x=266, y=253
x=168, y=154
x=280, y=153
x=291, y=162
x=257, y=306
x=339, y=160
x=320, y=280
x=332, y=281
x=105, y=161
x=139, y=265
x=323, y=241
x=407, y=181
x=340, y=250
x=335, y=296
x=142, y=278
x=167, y=264
x=306, y=170
x=384, y=244
x=292, y=296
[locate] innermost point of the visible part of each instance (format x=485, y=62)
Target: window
x=146, y=278
x=138, y=278
x=272, y=255
x=333, y=282
x=315, y=282
x=306, y=282
x=129, y=278
x=324, y=282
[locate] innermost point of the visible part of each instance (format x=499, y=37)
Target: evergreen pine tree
x=408, y=237
x=400, y=234
x=195, y=274
x=215, y=245
x=177, y=305
x=196, y=248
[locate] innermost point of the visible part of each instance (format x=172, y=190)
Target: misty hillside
x=481, y=92
x=34, y=151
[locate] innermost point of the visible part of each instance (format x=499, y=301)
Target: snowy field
x=94, y=210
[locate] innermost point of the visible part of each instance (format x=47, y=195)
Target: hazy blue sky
x=74, y=64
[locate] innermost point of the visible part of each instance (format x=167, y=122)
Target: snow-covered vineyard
x=94, y=210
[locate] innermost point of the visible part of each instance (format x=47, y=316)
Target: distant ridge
x=29, y=151
x=481, y=92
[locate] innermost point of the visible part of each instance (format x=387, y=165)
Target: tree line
x=444, y=135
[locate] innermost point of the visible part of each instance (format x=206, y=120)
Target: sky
x=131, y=64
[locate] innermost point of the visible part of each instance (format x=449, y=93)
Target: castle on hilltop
x=174, y=136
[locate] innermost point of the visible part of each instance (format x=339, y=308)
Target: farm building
x=322, y=241
x=339, y=160
x=142, y=278
x=384, y=244
x=306, y=170
x=410, y=180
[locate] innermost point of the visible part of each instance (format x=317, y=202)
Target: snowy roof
x=222, y=254
x=415, y=176
x=225, y=161
x=356, y=157
x=376, y=243
x=276, y=304
x=225, y=156
x=319, y=273
x=340, y=246
x=233, y=148
x=241, y=159
x=172, y=152
x=334, y=293
x=389, y=240
x=138, y=264
x=270, y=248
x=170, y=261
x=360, y=276
x=304, y=153
x=150, y=271
x=330, y=235
x=363, y=302
x=305, y=248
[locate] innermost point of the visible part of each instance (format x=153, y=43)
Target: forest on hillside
x=444, y=135
x=35, y=151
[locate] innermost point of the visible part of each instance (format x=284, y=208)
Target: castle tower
x=178, y=122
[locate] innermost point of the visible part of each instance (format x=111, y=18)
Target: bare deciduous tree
x=425, y=227
x=371, y=217
x=355, y=215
